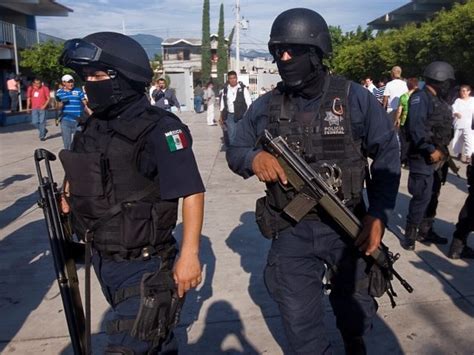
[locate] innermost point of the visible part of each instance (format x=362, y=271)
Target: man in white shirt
x=463, y=113
x=151, y=90
x=369, y=85
x=393, y=90
x=235, y=100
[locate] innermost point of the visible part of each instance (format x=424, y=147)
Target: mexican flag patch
x=176, y=140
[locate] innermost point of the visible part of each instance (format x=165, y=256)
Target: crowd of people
x=394, y=96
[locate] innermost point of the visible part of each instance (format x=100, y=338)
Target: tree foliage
x=42, y=61
x=222, y=63
x=448, y=37
x=206, y=64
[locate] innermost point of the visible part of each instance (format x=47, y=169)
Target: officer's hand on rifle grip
x=266, y=167
x=370, y=237
x=436, y=156
x=63, y=203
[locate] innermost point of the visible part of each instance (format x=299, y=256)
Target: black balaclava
x=109, y=97
x=303, y=75
x=442, y=88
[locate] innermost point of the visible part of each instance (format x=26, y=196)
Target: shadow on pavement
x=215, y=335
x=15, y=210
x=26, y=277
x=246, y=241
x=14, y=178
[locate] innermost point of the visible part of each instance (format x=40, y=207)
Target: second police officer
x=429, y=133
x=126, y=171
x=325, y=119
x=465, y=225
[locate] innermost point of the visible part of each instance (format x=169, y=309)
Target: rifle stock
x=62, y=249
x=316, y=191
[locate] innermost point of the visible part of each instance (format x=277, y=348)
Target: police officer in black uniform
x=325, y=119
x=429, y=133
x=127, y=169
x=465, y=225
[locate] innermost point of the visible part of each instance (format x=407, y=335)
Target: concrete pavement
x=230, y=312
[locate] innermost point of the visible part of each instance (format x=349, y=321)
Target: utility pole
x=237, y=36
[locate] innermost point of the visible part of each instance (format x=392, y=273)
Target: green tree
x=222, y=63
x=206, y=65
x=156, y=64
x=449, y=37
x=42, y=61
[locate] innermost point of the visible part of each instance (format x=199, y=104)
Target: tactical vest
x=102, y=172
x=240, y=106
x=438, y=129
x=322, y=136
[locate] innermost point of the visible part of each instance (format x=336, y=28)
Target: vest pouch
x=166, y=214
x=90, y=184
x=137, y=225
x=268, y=219
x=378, y=283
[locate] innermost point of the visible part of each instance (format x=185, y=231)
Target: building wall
x=182, y=83
x=17, y=18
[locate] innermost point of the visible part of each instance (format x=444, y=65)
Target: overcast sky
x=182, y=18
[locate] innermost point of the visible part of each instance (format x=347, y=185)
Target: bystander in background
x=210, y=99
x=13, y=87
x=72, y=103
x=37, y=99
x=463, y=113
x=393, y=90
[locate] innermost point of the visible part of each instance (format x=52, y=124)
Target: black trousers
x=465, y=223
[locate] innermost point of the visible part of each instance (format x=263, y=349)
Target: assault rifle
x=452, y=165
x=63, y=249
x=312, y=190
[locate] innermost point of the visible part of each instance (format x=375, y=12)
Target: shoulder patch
x=415, y=100
x=176, y=140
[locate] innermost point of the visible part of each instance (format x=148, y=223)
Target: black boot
x=410, y=236
x=427, y=235
x=354, y=346
x=459, y=250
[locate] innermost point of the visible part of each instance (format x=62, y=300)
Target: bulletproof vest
x=240, y=106
x=322, y=137
x=103, y=171
x=440, y=122
x=438, y=128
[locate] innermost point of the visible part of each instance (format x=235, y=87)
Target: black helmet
x=108, y=50
x=439, y=71
x=301, y=26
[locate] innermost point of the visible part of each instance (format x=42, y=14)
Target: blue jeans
x=38, y=119
x=13, y=100
x=294, y=274
x=118, y=275
x=198, y=104
x=68, y=128
x=231, y=125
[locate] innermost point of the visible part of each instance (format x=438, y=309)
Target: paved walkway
x=231, y=312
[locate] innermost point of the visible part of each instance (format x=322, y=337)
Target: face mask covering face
x=295, y=71
x=100, y=95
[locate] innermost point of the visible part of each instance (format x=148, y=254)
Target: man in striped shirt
x=72, y=103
